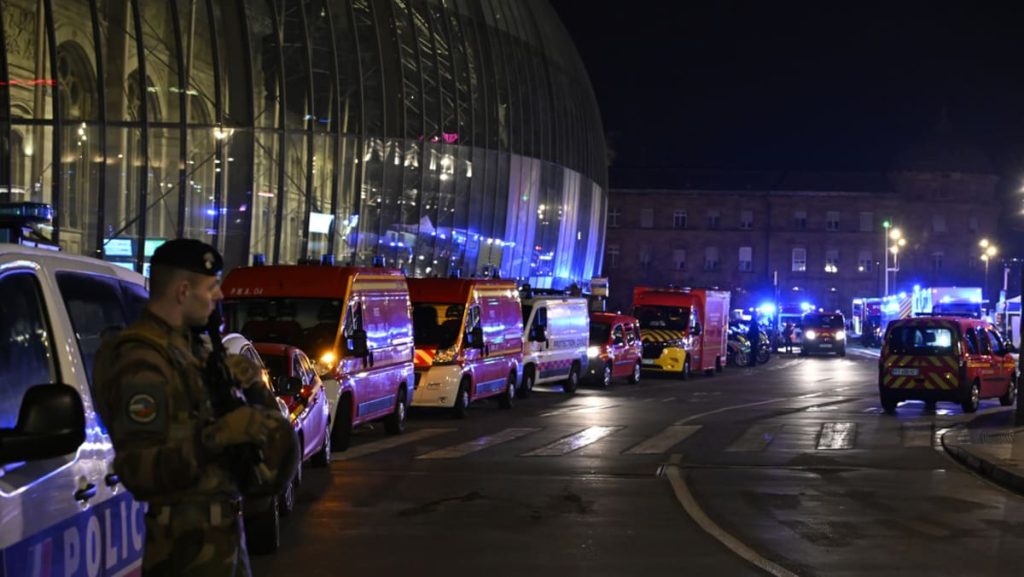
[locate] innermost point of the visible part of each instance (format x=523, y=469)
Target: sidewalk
x=991, y=445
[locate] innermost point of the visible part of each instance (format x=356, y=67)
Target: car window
x=249, y=352
x=617, y=336
x=134, y=298
x=297, y=368
x=985, y=345
x=630, y=335
x=307, y=367
x=971, y=338
x=26, y=344
x=920, y=340
x=995, y=342
x=94, y=305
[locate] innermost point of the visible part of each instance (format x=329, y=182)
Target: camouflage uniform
x=151, y=396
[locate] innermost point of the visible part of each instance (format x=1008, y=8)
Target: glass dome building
x=446, y=136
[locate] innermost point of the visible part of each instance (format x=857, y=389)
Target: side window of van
x=94, y=304
x=995, y=342
x=971, y=338
x=472, y=318
x=630, y=335
x=353, y=318
x=983, y=342
x=617, y=336
x=26, y=344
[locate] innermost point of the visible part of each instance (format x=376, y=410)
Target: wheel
x=686, y=368
x=461, y=401
x=888, y=403
x=394, y=424
x=507, y=399
x=286, y=501
x=263, y=532
x=635, y=377
x=573, y=381
x=606, y=376
x=718, y=364
x=740, y=359
x=526, y=388
x=763, y=356
x=970, y=404
x=322, y=458
x=1011, y=393
x=341, y=430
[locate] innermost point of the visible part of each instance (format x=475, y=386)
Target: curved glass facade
x=442, y=135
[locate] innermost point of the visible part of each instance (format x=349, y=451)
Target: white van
x=556, y=336
x=64, y=509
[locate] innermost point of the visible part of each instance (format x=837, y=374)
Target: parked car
x=615, y=348
x=301, y=389
x=961, y=360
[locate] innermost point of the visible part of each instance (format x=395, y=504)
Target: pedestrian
x=170, y=450
x=787, y=334
x=754, y=336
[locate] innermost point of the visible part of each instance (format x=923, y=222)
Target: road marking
x=478, y=444
x=572, y=443
x=837, y=436
x=665, y=440
x=734, y=407
x=576, y=409
x=917, y=435
x=757, y=438
x=677, y=479
x=383, y=444
x=668, y=399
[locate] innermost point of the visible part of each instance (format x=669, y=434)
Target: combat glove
x=240, y=426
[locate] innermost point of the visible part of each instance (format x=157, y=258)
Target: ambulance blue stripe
x=491, y=386
x=380, y=404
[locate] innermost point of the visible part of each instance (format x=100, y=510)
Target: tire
x=526, y=388
x=970, y=404
x=286, y=500
x=718, y=364
x=394, y=423
x=1011, y=393
x=322, y=458
x=740, y=359
x=763, y=355
x=263, y=532
x=605, y=381
x=635, y=377
x=506, y=400
x=461, y=401
x=341, y=429
x=685, y=374
x=572, y=382
x=888, y=403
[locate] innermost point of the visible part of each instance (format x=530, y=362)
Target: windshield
x=663, y=317
x=920, y=340
x=823, y=321
x=310, y=324
x=437, y=324
x=599, y=333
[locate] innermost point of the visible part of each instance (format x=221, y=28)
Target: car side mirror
x=288, y=385
x=51, y=423
x=357, y=343
x=538, y=334
x=476, y=338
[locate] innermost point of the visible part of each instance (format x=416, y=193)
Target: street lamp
x=895, y=236
x=988, y=251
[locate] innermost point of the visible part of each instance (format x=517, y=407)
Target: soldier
x=170, y=450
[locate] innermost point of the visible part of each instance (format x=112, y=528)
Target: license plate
x=825, y=346
x=648, y=362
x=903, y=372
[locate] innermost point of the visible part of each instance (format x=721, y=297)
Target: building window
x=831, y=261
x=714, y=219
x=864, y=261
x=612, y=252
x=679, y=219
x=799, y=259
x=746, y=258
x=800, y=220
x=937, y=260
x=679, y=257
x=613, y=217
x=646, y=218
x=832, y=220
x=938, y=223
x=972, y=224
x=746, y=219
x=711, y=258
x=645, y=256
x=867, y=222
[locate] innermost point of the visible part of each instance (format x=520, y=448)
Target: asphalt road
x=792, y=464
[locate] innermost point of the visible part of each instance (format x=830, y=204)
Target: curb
x=984, y=467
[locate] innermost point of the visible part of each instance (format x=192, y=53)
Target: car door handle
x=85, y=493
x=112, y=479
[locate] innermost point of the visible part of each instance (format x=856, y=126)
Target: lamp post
x=894, y=235
x=988, y=250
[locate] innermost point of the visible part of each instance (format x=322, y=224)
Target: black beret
x=188, y=254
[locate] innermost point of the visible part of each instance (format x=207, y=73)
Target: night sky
x=800, y=85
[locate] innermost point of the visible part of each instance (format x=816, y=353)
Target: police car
x=63, y=510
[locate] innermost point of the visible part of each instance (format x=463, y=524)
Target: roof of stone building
x=667, y=178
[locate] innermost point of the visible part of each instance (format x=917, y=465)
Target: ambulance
x=353, y=322
x=64, y=509
x=683, y=329
x=555, y=341
x=469, y=342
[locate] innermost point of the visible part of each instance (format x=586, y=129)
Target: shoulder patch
x=142, y=409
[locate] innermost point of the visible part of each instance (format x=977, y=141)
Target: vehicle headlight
x=593, y=352
x=810, y=335
x=840, y=335
x=446, y=356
